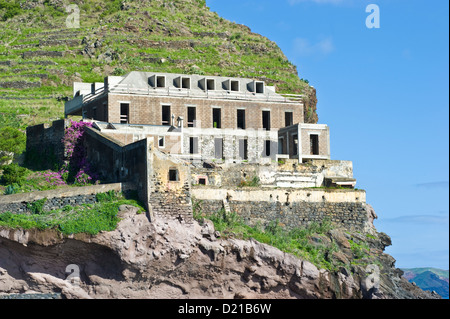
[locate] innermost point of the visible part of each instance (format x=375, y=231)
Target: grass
x=34, y=181
x=308, y=242
x=234, y=55
x=254, y=182
x=88, y=218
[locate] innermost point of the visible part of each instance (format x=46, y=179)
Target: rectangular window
x=217, y=118
x=288, y=119
x=243, y=149
x=193, y=145
x=173, y=175
x=161, y=142
x=210, y=84
x=185, y=83
x=105, y=112
x=314, y=143
x=191, y=116
x=281, y=147
x=166, y=115
x=266, y=120
x=124, y=113
x=218, y=148
x=241, y=119
x=267, y=145
x=259, y=87
x=160, y=81
x=295, y=145
x=234, y=86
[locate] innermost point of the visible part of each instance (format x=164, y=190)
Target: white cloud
x=418, y=219
x=440, y=184
x=304, y=47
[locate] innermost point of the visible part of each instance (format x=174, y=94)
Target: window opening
x=241, y=119
x=217, y=118
x=124, y=113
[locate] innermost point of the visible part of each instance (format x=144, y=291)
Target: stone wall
x=115, y=162
x=232, y=145
x=44, y=143
x=291, y=208
x=311, y=174
x=147, y=110
x=140, y=164
x=348, y=215
x=170, y=196
x=20, y=84
x=40, y=53
x=295, y=141
x=55, y=199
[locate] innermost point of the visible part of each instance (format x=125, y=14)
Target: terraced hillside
x=40, y=56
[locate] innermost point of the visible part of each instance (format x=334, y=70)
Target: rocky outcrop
x=166, y=260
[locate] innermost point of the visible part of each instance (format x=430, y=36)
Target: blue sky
x=384, y=93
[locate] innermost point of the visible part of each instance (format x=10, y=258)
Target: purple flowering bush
x=52, y=178
x=77, y=168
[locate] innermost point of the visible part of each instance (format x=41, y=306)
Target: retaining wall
x=55, y=199
x=291, y=208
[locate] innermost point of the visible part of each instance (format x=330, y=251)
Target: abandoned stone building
x=231, y=143
x=202, y=117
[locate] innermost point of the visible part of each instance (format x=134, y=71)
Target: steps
x=295, y=180
x=226, y=206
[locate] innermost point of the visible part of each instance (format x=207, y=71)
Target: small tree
x=13, y=174
x=12, y=143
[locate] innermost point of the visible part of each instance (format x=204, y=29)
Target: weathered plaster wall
x=311, y=174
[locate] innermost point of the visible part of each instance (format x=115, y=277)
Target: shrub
x=77, y=170
x=16, y=220
x=13, y=174
x=106, y=197
x=37, y=207
x=12, y=189
x=53, y=178
x=82, y=178
x=12, y=9
x=12, y=140
x=118, y=71
x=254, y=182
x=102, y=217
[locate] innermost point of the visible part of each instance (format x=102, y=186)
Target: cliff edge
x=166, y=260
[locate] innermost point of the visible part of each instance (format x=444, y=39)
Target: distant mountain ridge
x=429, y=279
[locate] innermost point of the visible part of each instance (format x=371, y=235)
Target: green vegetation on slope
x=314, y=243
x=90, y=219
x=40, y=57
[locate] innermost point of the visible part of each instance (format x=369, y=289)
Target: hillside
x=429, y=279
x=163, y=259
x=40, y=57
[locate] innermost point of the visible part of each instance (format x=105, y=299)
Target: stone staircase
x=295, y=180
x=226, y=206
